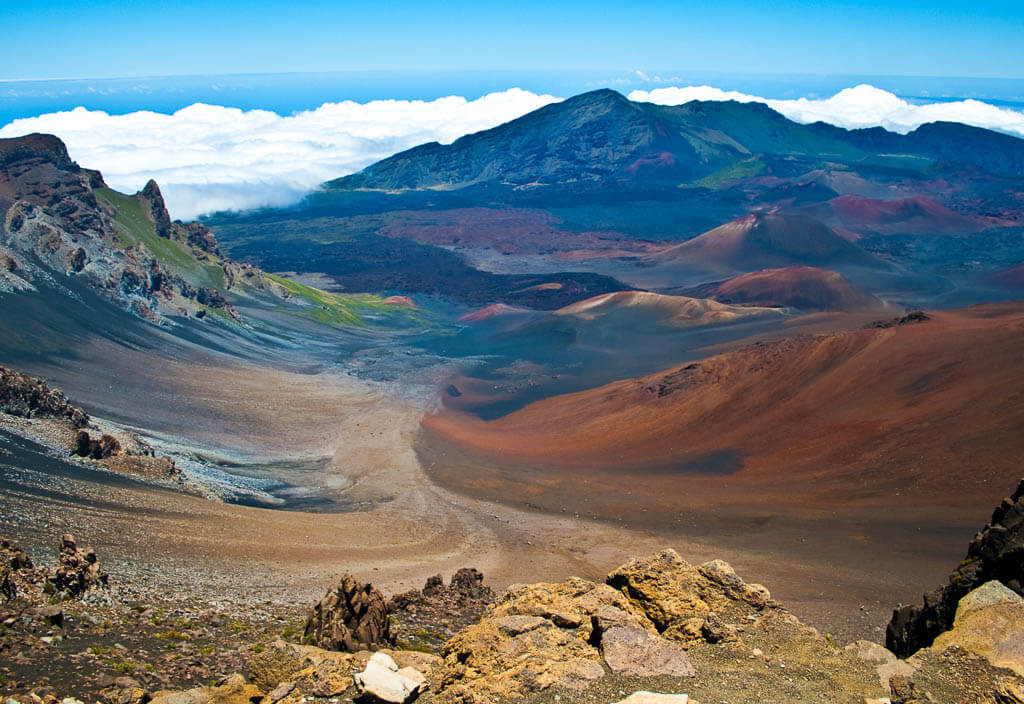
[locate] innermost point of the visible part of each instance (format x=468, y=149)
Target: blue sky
x=104, y=38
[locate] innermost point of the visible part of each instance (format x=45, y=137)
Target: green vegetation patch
x=342, y=309
x=134, y=227
x=173, y=635
x=739, y=170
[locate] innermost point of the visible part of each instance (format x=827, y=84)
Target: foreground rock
x=293, y=673
x=659, y=627
x=990, y=623
x=352, y=617
x=384, y=681
x=14, y=564
x=78, y=570
x=425, y=619
x=643, y=697
x=232, y=690
x=996, y=553
x=642, y=623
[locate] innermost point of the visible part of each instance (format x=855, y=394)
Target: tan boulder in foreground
x=989, y=622
x=568, y=635
x=644, y=697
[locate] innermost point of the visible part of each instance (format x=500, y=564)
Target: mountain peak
x=601, y=95
x=602, y=136
x=768, y=240
x=45, y=147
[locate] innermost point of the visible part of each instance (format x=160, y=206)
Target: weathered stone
x=382, y=680
x=281, y=691
x=232, y=690
x=13, y=556
x=414, y=676
x=428, y=617
x=887, y=665
x=635, y=652
x=53, y=615
x=995, y=553
x=757, y=595
x=989, y=622
x=350, y=618
x=133, y=695
x=663, y=586
x=78, y=570
x=688, y=603
x=519, y=649
x=515, y=625
x=644, y=697
x=313, y=671
x=87, y=446
x=31, y=397
x=903, y=691
x=715, y=630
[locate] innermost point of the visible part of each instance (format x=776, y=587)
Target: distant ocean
x=287, y=94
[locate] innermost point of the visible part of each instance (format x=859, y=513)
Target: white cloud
x=862, y=106
x=208, y=157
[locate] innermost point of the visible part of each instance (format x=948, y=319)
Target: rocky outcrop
x=430, y=616
x=536, y=637
x=200, y=237
x=13, y=560
x=989, y=622
x=51, y=215
x=13, y=557
x=917, y=316
x=688, y=603
x=31, y=397
x=78, y=570
x=87, y=446
x=35, y=147
x=59, y=220
x=572, y=641
x=350, y=618
x=232, y=690
x=157, y=208
x=640, y=623
x=296, y=673
x=995, y=553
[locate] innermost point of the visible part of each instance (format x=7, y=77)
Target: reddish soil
x=495, y=310
x=847, y=471
x=805, y=287
x=761, y=241
x=929, y=413
x=917, y=215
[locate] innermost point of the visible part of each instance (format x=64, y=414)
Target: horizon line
x=424, y=71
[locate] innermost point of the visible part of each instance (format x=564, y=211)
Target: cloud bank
x=862, y=106
x=208, y=157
